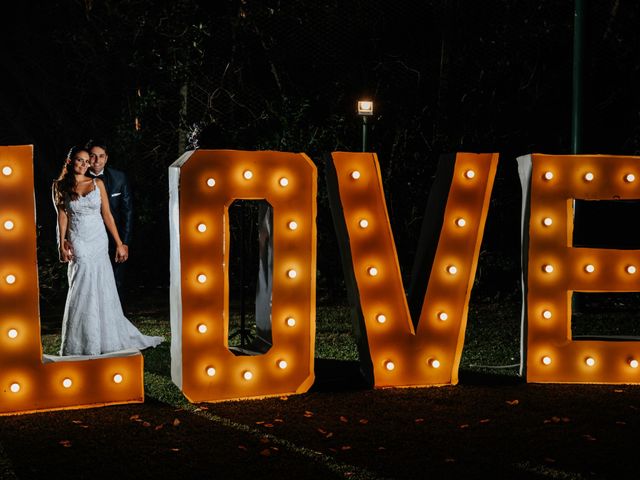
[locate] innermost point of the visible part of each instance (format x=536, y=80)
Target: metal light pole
x=365, y=110
x=576, y=110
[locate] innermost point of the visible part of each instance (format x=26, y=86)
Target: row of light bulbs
x=246, y=374
x=589, y=268
x=590, y=361
x=590, y=177
x=390, y=365
x=248, y=175
x=67, y=382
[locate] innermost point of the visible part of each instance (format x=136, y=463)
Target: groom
x=120, y=202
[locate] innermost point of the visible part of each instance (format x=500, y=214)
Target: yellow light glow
x=380, y=318
x=365, y=107
x=434, y=363
x=470, y=174
x=593, y=178
x=40, y=383
x=117, y=378
x=372, y=271
x=355, y=174
x=546, y=360
x=202, y=278
x=6, y=171
x=633, y=363
x=282, y=364
x=67, y=383
x=630, y=177
x=461, y=222
x=287, y=182
x=547, y=268
x=211, y=182
x=408, y=337
x=202, y=227
x=547, y=221
x=548, y=176
x=443, y=316
x=452, y=270
x=389, y=365
x=364, y=223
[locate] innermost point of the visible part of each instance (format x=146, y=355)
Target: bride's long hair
x=66, y=182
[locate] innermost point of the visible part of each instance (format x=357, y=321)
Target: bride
x=93, y=320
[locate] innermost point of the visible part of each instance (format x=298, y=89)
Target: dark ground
x=491, y=424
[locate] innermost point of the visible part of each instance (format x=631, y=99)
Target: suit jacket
x=120, y=202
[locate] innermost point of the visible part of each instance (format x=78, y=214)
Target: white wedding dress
x=93, y=321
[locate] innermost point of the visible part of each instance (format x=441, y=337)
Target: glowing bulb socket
x=211, y=182
x=6, y=171
x=547, y=314
x=547, y=268
x=452, y=269
x=364, y=223
x=631, y=269
x=247, y=375
x=380, y=318
x=202, y=228
x=589, y=268
x=546, y=360
x=292, y=273
x=469, y=174
x=589, y=176
x=633, y=363
x=14, y=387
x=372, y=271
x=202, y=328
x=389, y=365
x=117, y=378
x=355, y=174
x=210, y=371
x=629, y=178
x=10, y=279
x=548, y=176
x=202, y=278
x=282, y=364
x=434, y=363
x=547, y=222
x=247, y=174
x=12, y=333
x=461, y=222
x=8, y=225
x=284, y=181
x=590, y=361
x=443, y=316
x=291, y=322
x=67, y=382
x=292, y=225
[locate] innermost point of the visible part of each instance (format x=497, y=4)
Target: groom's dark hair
x=96, y=143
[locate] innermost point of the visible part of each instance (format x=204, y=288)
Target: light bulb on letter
x=291, y=322
x=364, y=223
x=247, y=174
x=547, y=268
x=202, y=228
x=590, y=361
x=434, y=363
x=202, y=278
x=293, y=225
x=211, y=371
x=589, y=268
x=548, y=176
x=292, y=273
x=15, y=387
x=247, y=375
x=547, y=314
x=547, y=222
x=452, y=269
x=631, y=269
x=372, y=271
x=589, y=176
x=12, y=333
x=211, y=182
x=469, y=174
x=6, y=171
x=630, y=177
x=633, y=363
x=66, y=383
x=282, y=364
x=389, y=365
x=10, y=279
x=355, y=174
x=380, y=318
x=546, y=360
x=202, y=328
x=284, y=181
x=117, y=378
x=8, y=225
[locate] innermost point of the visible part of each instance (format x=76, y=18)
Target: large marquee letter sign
x=554, y=269
x=27, y=383
x=399, y=353
x=203, y=184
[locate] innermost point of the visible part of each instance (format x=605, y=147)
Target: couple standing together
x=85, y=196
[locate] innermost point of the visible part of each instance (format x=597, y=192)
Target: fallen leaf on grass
x=485, y=420
x=158, y=427
x=589, y=438
x=135, y=417
x=146, y=424
x=65, y=443
x=264, y=440
x=77, y=422
x=449, y=460
x=334, y=450
x=618, y=390
x=465, y=425
x=329, y=435
x=348, y=474
x=278, y=420
x=242, y=447
x=513, y=402
x=308, y=414
x=260, y=422
x=619, y=422
x=322, y=431
x=382, y=448
x=419, y=420
x=565, y=419
x=176, y=422
x=175, y=449
x=344, y=419
x=363, y=421
x=284, y=398
x=275, y=449
x=265, y=453
x=268, y=425
x=344, y=448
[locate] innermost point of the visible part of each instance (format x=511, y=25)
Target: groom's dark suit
x=121, y=205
